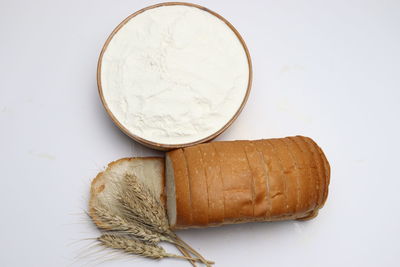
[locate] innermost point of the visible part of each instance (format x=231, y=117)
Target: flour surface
x=174, y=74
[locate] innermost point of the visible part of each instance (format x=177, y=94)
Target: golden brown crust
x=182, y=188
x=257, y=168
x=214, y=184
x=262, y=180
x=304, y=189
x=327, y=175
x=320, y=169
x=267, y=179
x=236, y=176
x=311, y=174
x=276, y=181
x=296, y=171
x=289, y=171
x=198, y=185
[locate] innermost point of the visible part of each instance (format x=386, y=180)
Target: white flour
x=174, y=74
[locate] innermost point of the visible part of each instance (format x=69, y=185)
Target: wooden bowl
x=166, y=147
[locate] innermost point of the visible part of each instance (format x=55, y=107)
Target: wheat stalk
x=139, y=203
x=179, y=242
x=116, y=223
x=113, y=222
x=140, y=223
x=136, y=247
x=132, y=246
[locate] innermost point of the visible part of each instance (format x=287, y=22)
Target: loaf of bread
x=225, y=182
x=241, y=181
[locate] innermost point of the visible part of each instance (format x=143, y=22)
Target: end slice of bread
x=150, y=171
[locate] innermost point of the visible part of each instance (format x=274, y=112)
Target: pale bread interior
x=150, y=171
x=170, y=191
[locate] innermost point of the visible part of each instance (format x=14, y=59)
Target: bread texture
x=241, y=181
x=150, y=171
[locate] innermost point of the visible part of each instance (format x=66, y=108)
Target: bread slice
x=177, y=189
x=290, y=173
x=198, y=185
x=276, y=191
x=259, y=174
x=301, y=161
x=216, y=207
x=150, y=171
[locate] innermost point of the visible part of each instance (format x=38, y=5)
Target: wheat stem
x=138, y=248
x=180, y=242
x=116, y=223
x=186, y=253
x=181, y=257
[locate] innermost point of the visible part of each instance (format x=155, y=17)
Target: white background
x=325, y=69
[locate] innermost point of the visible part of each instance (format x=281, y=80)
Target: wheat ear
x=115, y=222
x=139, y=203
x=136, y=247
x=142, y=216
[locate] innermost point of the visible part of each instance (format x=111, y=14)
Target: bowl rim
x=160, y=146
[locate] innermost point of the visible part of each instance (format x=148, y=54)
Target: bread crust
x=311, y=176
x=262, y=180
x=304, y=189
x=290, y=173
x=259, y=174
x=237, y=180
x=182, y=188
x=320, y=170
x=276, y=180
x=327, y=173
x=198, y=185
x=214, y=184
x=97, y=186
